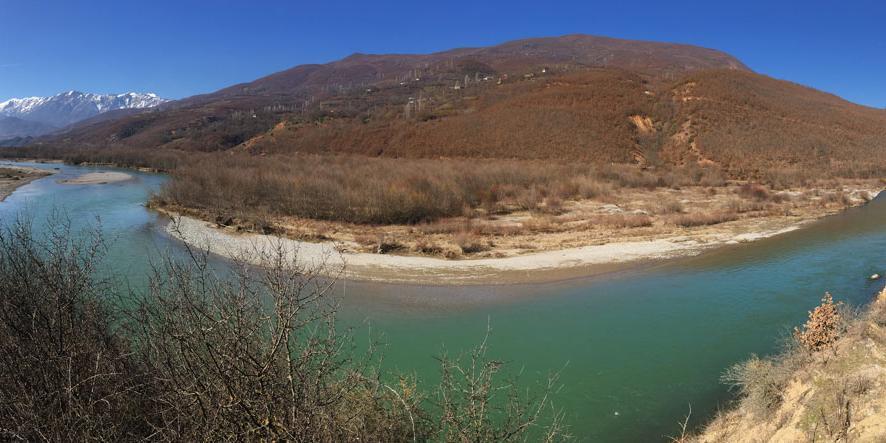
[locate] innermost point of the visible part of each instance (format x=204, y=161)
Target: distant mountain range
x=32, y=116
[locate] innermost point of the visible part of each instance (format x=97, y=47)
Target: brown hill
x=571, y=51
x=749, y=122
x=378, y=87
x=572, y=97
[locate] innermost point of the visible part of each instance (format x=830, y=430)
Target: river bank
x=13, y=177
x=340, y=257
x=835, y=394
x=682, y=320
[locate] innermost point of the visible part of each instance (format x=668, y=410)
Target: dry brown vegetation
x=12, y=178
x=823, y=327
x=827, y=386
x=474, y=207
x=255, y=356
x=370, y=92
x=481, y=208
x=776, y=130
x=577, y=116
x=570, y=98
x=705, y=219
x=534, y=127
x=398, y=191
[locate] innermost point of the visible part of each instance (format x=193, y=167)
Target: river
x=636, y=348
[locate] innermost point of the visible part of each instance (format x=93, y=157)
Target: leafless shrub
x=470, y=244
x=529, y=199
x=65, y=374
x=833, y=407
x=704, y=218
x=623, y=220
x=759, y=382
x=671, y=206
x=553, y=205
x=393, y=191
x=257, y=356
x=426, y=247
x=684, y=436
x=476, y=407
x=838, y=197
x=245, y=354
x=741, y=206
x=589, y=188
x=754, y=191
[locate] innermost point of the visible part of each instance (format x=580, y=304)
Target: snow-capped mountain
x=70, y=107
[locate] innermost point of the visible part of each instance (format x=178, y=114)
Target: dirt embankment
x=835, y=394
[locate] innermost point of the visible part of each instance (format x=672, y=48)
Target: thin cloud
x=10, y=65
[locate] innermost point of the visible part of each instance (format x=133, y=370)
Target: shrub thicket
x=255, y=355
x=393, y=191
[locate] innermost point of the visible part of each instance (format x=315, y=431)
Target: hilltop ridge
x=574, y=97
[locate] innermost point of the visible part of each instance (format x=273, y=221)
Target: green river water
x=636, y=347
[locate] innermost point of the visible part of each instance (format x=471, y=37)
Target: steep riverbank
x=836, y=394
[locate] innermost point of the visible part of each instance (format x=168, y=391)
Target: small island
x=97, y=178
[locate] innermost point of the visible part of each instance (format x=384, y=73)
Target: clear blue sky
x=184, y=47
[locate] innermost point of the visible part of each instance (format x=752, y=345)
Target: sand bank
x=97, y=178
x=539, y=266
x=13, y=177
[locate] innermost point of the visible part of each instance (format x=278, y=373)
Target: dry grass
x=704, y=219
x=395, y=191
x=499, y=217
x=623, y=220
x=825, y=386
x=12, y=178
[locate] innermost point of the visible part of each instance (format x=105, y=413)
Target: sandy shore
x=98, y=178
x=532, y=267
x=13, y=177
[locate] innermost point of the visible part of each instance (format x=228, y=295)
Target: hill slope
x=569, y=98
x=11, y=127
x=379, y=87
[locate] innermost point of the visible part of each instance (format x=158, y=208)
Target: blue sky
x=180, y=48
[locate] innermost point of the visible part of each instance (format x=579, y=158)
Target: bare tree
x=65, y=374
x=257, y=355
x=476, y=407
x=219, y=353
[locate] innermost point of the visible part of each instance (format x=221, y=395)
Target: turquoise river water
x=636, y=347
